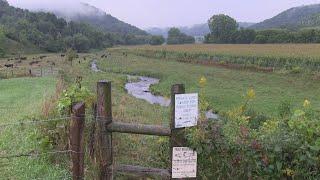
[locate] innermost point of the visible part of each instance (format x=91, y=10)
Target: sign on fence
x=184, y=163
x=186, y=110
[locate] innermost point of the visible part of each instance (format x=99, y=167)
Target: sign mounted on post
x=184, y=163
x=186, y=110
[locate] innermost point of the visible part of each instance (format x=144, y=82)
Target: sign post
x=184, y=113
x=184, y=163
x=186, y=110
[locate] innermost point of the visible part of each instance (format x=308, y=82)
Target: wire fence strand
x=36, y=121
x=35, y=154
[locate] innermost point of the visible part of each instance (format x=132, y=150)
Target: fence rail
x=143, y=171
x=139, y=129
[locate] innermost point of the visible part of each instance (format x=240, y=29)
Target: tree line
x=175, y=36
x=224, y=29
x=53, y=34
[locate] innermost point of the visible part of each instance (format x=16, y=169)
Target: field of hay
x=282, y=50
x=292, y=57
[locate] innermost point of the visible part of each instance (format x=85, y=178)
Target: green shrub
x=244, y=145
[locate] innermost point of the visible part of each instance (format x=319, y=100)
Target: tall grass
x=288, y=56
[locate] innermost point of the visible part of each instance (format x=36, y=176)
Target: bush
x=277, y=148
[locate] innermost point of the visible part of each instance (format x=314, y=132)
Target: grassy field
x=20, y=100
x=282, y=50
x=291, y=57
x=225, y=87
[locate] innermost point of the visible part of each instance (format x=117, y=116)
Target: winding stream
x=141, y=90
x=139, y=87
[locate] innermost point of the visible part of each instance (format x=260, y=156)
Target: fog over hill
x=83, y=12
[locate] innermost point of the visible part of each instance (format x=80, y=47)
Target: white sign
x=186, y=110
x=184, y=163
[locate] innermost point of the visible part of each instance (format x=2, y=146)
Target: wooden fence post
x=104, y=137
x=77, y=124
x=92, y=129
x=177, y=137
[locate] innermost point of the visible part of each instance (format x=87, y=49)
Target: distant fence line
x=13, y=72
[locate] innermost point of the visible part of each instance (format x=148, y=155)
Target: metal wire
x=35, y=154
x=21, y=122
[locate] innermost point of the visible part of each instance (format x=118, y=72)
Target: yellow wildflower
x=251, y=94
x=306, y=103
x=289, y=172
x=203, y=81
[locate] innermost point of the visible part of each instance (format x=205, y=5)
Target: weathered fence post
x=77, y=124
x=92, y=129
x=104, y=136
x=177, y=138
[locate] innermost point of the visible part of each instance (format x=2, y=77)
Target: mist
x=168, y=13
x=66, y=8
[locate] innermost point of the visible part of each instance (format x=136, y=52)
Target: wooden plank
x=143, y=171
x=139, y=129
x=77, y=140
x=104, y=136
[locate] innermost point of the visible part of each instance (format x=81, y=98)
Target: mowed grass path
x=225, y=88
x=20, y=97
x=20, y=100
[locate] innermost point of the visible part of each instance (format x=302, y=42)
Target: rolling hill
x=294, y=18
x=85, y=13
x=30, y=31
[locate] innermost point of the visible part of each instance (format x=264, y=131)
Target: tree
x=244, y=36
x=222, y=28
x=81, y=43
x=71, y=55
x=175, y=36
x=157, y=40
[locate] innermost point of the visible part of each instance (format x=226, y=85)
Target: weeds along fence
x=13, y=72
x=9, y=156
x=100, y=139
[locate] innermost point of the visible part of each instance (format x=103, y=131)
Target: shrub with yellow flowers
x=281, y=147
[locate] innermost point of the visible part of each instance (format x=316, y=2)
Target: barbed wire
x=37, y=121
x=35, y=154
x=21, y=122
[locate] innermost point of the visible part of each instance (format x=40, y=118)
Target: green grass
x=20, y=100
x=225, y=87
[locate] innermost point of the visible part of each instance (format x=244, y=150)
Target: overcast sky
x=167, y=13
